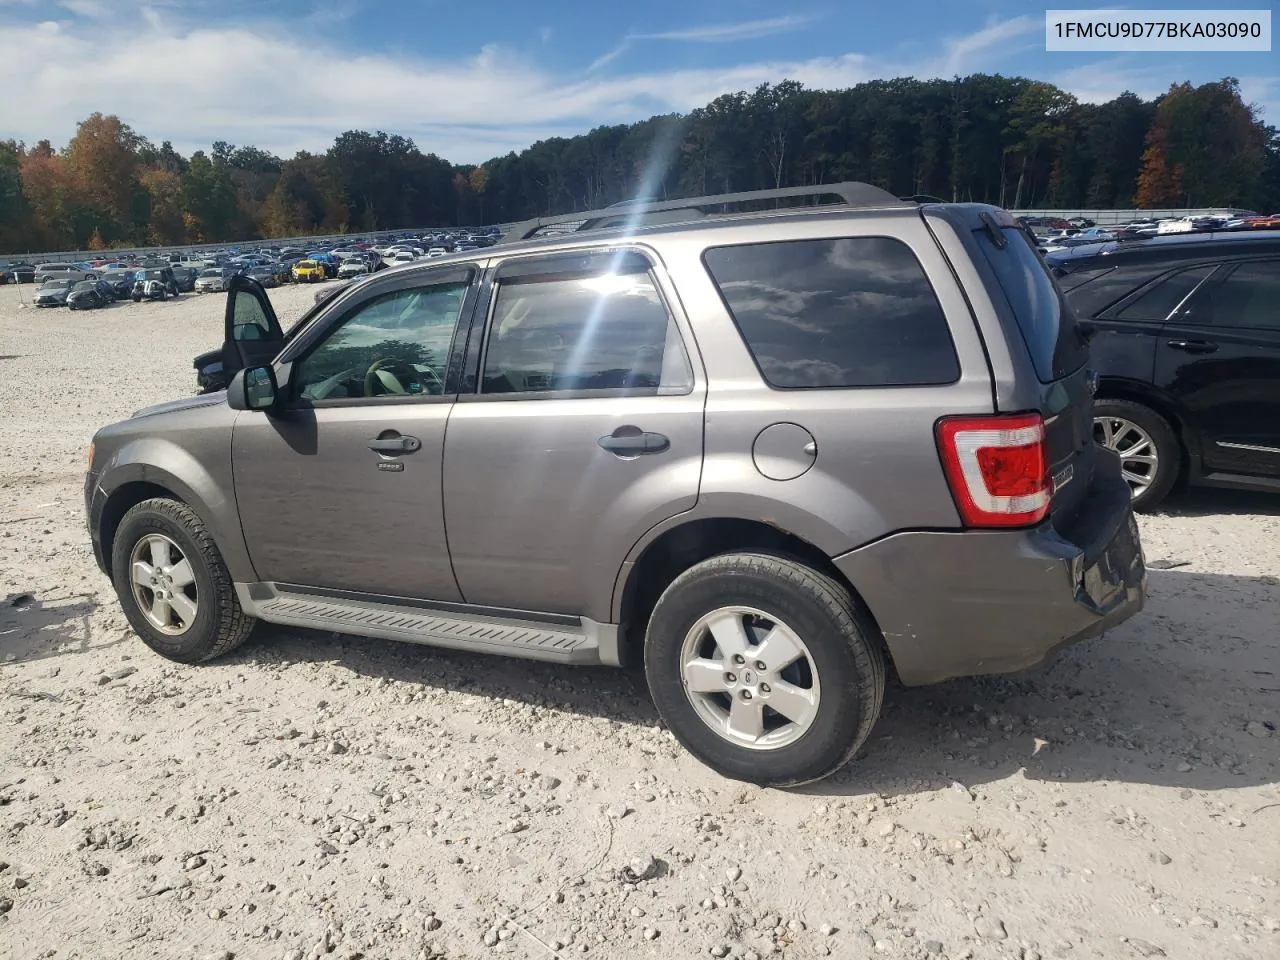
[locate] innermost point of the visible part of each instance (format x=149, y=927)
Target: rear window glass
x=1048, y=326
x=855, y=312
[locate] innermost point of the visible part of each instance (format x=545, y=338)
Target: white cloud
x=714, y=33
x=965, y=51
x=1106, y=78
x=273, y=86
x=730, y=32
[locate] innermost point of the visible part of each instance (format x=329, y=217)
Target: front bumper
x=94, y=501
x=955, y=604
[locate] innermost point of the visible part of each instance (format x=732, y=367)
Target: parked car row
x=334, y=259
x=1054, y=235
x=145, y=283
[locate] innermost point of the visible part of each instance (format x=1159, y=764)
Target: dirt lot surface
x=315, y=795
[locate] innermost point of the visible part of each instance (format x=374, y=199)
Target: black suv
x=1186, y=342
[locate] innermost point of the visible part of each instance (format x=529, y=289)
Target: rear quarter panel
x=877, y=468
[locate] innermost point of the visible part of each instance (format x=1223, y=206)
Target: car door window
x=392, y=346
x=1249, y=297
x=607, y=333
x=251, y=321
x=1163, y=297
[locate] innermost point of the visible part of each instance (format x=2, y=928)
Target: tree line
x=1010, y=141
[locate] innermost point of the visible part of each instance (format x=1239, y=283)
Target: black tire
x=1165, y=440
x=220, y=624
x=136, y=298
x=843, y=644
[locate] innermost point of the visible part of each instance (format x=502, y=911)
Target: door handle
x=395, y=444
x=633, y=444
x=1194, y=346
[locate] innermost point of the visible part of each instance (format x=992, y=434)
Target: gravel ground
x=315, y=795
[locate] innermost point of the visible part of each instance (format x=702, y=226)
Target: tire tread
x=844, y=609
x=233, y=625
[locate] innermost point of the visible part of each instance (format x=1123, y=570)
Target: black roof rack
x=648, y=212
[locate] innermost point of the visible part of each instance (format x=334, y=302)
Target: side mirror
x=1088, y=330
x=253, y=389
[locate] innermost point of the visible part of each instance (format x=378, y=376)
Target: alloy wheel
x=750, y=678
x=164, y=584
x=1139, y=459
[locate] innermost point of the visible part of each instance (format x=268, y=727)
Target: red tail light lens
x=997, y=468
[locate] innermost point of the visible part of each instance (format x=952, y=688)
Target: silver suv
x=766, y=454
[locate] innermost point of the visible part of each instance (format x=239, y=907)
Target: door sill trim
x=1238, y=481
x=553, y=638
x=1251, y=447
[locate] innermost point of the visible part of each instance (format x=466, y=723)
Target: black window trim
x=314, y=337
x=559, y=265
x=871, y=386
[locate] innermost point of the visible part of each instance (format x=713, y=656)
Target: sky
x=473, y=80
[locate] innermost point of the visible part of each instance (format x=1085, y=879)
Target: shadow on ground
x=32, y=629
x=1166, y=698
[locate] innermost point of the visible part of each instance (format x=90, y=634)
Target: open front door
x=252, y=335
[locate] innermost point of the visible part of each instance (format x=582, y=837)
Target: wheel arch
x=130, y=483
x=643, y=579
x=1135, y=391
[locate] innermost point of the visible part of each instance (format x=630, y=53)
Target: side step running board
x=581, y=641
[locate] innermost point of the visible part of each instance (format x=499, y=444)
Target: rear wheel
x=1150, y=455
x=764, y=669
x=173, y=585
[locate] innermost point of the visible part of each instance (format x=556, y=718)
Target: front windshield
x=55, y=285
x=85, y=285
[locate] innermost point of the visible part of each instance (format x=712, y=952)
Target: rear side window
x=1106, y=287
x=557, y=332
x=1160, y=299
x=1048, y=326
x=856, y=312
x=1249, y=297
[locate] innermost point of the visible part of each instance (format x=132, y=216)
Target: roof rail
x=645, y=212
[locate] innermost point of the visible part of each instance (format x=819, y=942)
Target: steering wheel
x=426, y=379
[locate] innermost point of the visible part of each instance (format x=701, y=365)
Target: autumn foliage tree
x=988, y=138
x=1204, y=148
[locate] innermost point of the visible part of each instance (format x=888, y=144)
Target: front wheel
x=173, y=585
x=764, y=669
x=1150, y=455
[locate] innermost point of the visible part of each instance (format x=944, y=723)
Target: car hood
x=172, y=406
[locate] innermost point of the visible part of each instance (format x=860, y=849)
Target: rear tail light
x=997, y=468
